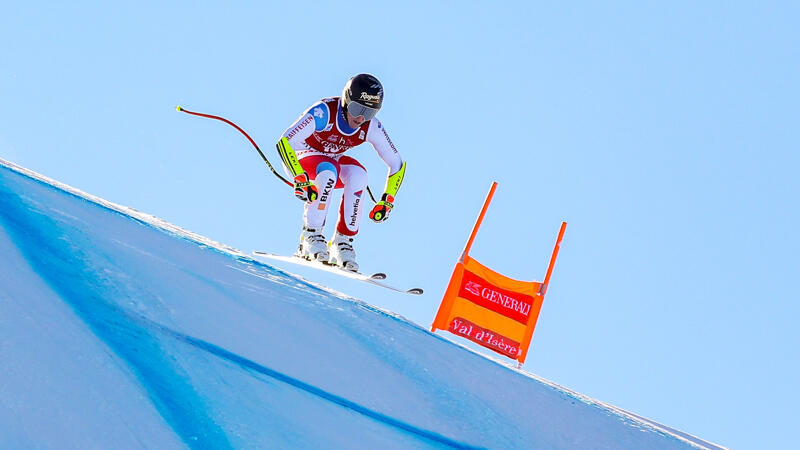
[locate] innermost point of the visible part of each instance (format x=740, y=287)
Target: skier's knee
x=327, y=166
x=358, y=179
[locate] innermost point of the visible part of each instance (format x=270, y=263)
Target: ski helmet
x=363, y=96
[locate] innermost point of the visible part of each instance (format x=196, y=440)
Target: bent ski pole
x=245, y=135
x=210, y=116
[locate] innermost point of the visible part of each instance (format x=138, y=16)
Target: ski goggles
x=357, y=109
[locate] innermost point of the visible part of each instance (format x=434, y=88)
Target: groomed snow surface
x=119, y=330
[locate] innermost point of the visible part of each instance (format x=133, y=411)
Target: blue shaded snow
x=119, y=330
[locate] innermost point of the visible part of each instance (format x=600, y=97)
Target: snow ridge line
x=156, y=222
x=147, y=219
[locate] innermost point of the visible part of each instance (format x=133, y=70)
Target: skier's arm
x=294, y=137
x=304, y=189
x=379, y=139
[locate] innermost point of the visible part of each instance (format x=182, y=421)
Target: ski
x=375, y=278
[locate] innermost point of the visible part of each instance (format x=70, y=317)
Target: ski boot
x=312, y=245
x=342, y=253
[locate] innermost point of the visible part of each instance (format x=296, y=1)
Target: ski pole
x=181, y=109
x=245, y=135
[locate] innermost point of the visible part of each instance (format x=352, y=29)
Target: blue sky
x=665, y=135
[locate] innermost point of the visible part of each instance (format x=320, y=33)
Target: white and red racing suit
x=320, y=137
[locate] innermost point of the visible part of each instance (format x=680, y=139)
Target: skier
x=312, y=151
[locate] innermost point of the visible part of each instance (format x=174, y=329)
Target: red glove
x=304, y=189
x=382, y=209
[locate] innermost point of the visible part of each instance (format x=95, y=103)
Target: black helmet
x=363, y=96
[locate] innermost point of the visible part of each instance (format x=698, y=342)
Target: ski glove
x=304, y=189
x=382, y=209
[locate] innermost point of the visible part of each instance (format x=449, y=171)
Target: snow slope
x=119, y=330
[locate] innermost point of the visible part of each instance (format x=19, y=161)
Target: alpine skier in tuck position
x=313, y=154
